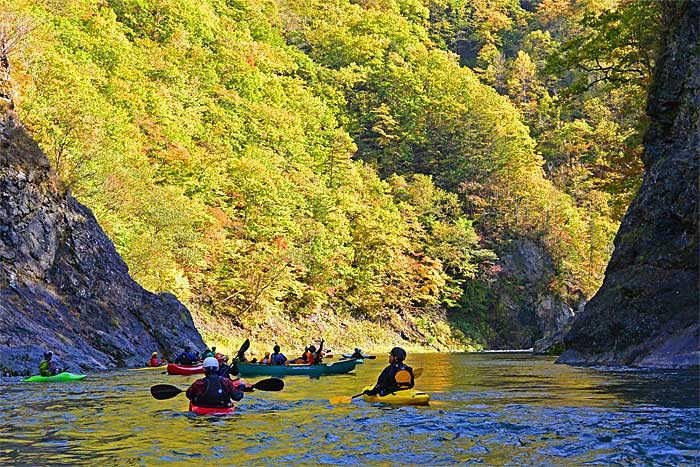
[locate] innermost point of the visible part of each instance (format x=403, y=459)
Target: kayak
x=404, y=397
x=335, y=368
x=161, y=367
x=211, y=410
x=175, y=369
x=359, y=360
x=61, y=377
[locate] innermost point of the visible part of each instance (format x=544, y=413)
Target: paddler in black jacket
x=395, y=377
x=213, y=390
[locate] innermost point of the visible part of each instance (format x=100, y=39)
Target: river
x=486, y=409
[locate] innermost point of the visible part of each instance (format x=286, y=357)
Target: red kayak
x=175, y=369
x=211, y=410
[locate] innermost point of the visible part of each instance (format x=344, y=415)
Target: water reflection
x=489, y=409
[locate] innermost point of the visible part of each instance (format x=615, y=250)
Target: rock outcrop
x=63, y=286
x=647, y=310
x=523, y=310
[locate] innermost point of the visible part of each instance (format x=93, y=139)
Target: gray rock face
x=525, y=310
x=647, y=311
x=63, y=286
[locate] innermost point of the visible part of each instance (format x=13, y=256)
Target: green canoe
x=65, y=376
x=287, y=370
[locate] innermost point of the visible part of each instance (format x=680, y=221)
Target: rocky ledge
x=647, y=310
x=63, y=287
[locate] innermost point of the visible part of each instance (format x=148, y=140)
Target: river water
x=486, y=409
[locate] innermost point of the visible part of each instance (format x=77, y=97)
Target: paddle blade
x=369, y=357
x=270, y=384
x=417, y=372
x=164, y=391
x=243, y=349
x=340, y=400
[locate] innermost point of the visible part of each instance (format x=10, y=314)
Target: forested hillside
x=440, y=173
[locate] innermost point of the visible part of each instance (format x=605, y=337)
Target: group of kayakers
x=217, y=389
x=221, y=385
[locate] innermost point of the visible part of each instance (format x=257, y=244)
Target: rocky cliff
x=63, y=286
x=647, y=310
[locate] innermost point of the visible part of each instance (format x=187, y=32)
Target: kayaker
x=209, y=353
x=47, y=367
x=155, y=361
x=227, y=370
x=357, y=353
x=395, y=377
x=316, y=356
x=304, y=359
x=277, y=358
x=213, y=390
x=266, y=359
x=186, y=357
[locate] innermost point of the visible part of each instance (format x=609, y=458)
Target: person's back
x=213, y=390
x=186, y=357
x=277, y=358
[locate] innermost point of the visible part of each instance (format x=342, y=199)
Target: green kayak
x=65, y=376
x=336, y=368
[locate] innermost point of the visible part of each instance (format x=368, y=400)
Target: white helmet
x=211, y=362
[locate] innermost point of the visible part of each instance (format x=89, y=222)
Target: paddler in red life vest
x=154, y=361
x=213, y=390
x=395, y=377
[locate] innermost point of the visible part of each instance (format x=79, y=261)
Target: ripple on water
x=488, y=410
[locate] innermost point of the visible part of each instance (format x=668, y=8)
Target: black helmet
x=276, y=348
x=399, y=353
x=312, y=348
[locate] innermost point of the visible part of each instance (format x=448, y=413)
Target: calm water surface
x=488, y=409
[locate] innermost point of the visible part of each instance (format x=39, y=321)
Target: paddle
x=244, y=348
x=166, y=391
x=367, y=357
x=347, y=399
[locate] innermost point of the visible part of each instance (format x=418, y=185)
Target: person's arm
x=385, y=379
x=196, y=389
x=233, y=392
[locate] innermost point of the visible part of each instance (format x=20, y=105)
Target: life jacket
x=277, y=359
x=404, y=378
x=45, y=368
x=154, y=361
x=214, y=394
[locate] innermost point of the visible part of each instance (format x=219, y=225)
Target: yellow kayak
x=404, y=397
x=162, y=367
